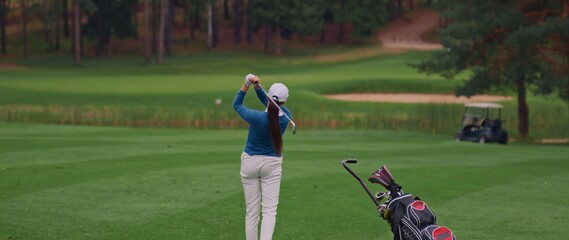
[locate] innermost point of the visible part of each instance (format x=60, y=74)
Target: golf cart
x=480, y=124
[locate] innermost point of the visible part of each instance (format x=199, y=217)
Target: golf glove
x=248, y=78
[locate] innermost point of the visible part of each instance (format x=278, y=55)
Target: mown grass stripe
x=192, y=189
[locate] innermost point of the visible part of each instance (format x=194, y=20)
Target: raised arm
x=247, y=114
x=261, y=95
x=255, y=80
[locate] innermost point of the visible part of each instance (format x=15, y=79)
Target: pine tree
x=289, y=17
x=519, y=45
x=367, y=16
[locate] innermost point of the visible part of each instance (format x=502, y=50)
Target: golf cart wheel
x=482, y=140
x=503, y=137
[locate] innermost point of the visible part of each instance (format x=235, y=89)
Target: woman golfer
x=261, y=160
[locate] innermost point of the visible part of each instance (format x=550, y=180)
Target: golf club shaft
x=273, y=101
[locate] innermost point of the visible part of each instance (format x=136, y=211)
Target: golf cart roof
x=483, y=105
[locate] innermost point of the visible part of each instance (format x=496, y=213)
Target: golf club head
x=381, y=195
x=382, y=176
x=293, y=127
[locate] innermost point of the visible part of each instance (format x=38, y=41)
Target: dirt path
x=396, y=37
x=414, y=98
x=406, y=33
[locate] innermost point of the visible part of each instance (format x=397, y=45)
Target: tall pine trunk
x=249, y=34
x=210, y=26
x=65, y=18
x=147, y=35
x=24, y=27
x=46, y=30
x=155, y=21
x=225, y=9
x=215, y=24
x=238, y=11
x=57, y=27
x=4, y=5
x=194, y=22
x=103, y=29
x=135, y=16
x=77, y=30
x=523, y=110
x=163, y=19
x=169, y=27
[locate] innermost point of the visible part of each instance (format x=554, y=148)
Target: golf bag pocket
x=408, y=231
x=435, y=232
x=420, y=214
x=411, y=219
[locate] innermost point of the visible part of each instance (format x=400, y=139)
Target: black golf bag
x=409, y=217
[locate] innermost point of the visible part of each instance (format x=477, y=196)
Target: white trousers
x=261, y=178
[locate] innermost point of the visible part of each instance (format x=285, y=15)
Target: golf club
x=271, y=99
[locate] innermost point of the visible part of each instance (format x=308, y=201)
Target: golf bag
x=409, y=217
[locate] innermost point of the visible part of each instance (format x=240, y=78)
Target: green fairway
x=182, y=92
x=69, y=182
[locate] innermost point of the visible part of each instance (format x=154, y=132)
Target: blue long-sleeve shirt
x=259, y=140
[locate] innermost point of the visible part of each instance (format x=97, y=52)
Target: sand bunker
x=414, y=98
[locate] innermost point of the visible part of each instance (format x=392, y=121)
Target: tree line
x=103, y=20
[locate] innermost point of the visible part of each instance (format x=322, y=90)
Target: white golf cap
x=279, y=92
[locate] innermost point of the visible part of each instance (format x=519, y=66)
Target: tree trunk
x=250, y=21
x=523, y=110
x=226, y=9
x=103, y=29
x=45, y=11
x=155, y=20
x=209, y=27
x=238, y=11
x=135, y=16
x=77, y=30
x=24, y=27
x=215, y=24
x=163, y=19
x=194, y=23
x=80, y=28
x=4, y=6
x=172, y=13
x=411, y=4
x=147, y=35
x=278, y=44
x=66, y=18
x=57, y=26
x=323, y=33
x=169, y=27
